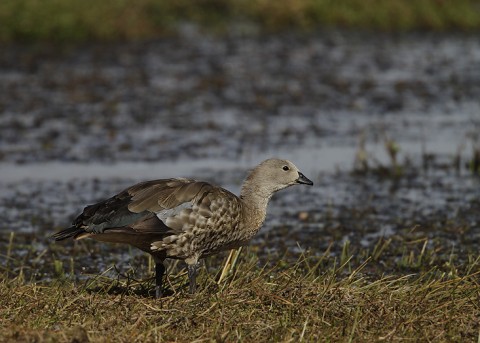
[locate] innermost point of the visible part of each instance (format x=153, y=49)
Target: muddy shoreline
x=385, y=125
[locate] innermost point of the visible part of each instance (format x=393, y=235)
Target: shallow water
x=80, y=125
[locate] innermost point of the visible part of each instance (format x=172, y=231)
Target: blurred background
x=376, y=101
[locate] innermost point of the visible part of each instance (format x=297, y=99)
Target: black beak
x=303, y=179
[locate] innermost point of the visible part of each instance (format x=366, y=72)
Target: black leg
x=159, y=271
x=192, y=275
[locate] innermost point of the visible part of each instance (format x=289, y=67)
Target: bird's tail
x=72, y=231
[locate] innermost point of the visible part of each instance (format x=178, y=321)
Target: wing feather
x=169, y=194
x=138, y=202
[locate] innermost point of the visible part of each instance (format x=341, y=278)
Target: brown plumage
x=185, y=219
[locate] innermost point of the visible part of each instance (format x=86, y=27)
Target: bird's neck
x=255, y=196
x=255, y=204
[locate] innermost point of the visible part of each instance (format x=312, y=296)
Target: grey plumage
x=185, y=219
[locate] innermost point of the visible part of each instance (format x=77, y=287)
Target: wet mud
x=387, y=126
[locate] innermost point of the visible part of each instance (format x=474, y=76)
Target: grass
x=76, y=21
x=366, y=163
x=358, y=296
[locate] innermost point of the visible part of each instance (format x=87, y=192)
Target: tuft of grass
x=76, y=21
x=474, y=163
x=365, y=162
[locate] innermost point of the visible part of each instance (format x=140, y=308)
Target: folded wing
x=142, y=209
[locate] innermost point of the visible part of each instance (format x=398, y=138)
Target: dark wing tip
x=70, y=232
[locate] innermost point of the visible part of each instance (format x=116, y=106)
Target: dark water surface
x=78, y=126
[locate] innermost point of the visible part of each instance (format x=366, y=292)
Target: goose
x=185, y=219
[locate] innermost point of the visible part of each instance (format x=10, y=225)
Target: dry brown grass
x=311, y=300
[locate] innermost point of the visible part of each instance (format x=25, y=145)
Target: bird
x=185, y=219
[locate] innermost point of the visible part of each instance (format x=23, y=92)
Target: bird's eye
x=285, y=168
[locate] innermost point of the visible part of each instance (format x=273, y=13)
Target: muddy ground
x=387, y=126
